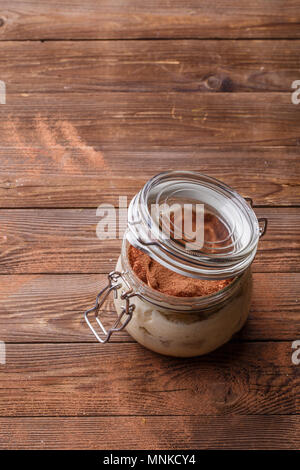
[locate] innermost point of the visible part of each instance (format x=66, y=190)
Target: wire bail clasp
x=261, y=220
x=127, y=309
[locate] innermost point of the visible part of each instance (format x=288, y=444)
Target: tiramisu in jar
x=177, y=292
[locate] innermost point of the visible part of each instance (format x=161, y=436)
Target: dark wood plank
x=153, y=433
x=153, y=19
x=65, y=241
x=121, y=121
x=56, y=176
x=49, y=308
x=148, y=66
x=126, y=379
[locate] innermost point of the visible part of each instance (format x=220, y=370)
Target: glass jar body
x=184, y=331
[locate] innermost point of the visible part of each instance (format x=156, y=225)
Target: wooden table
x=101, y=96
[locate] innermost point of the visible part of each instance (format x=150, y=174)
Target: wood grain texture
x=56, y=176
x=149, y=66
x=65, y=241
x=88, y=120
x=56, y=137
x=49, y=308
x=155, y=432
x=154, y=19
x=126, y=379
x=121, y=121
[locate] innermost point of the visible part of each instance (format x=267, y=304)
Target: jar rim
x=227, y=204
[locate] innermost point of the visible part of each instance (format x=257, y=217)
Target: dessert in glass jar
x=175, y=292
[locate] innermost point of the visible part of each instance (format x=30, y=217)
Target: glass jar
x=184, y=326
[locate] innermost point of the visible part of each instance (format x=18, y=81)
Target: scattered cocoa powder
x=58, y=140
x=168, y=282
x=48, y=137
x=93, y=157
x=16, y=139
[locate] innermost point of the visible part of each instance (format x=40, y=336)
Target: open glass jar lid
x=194, y=225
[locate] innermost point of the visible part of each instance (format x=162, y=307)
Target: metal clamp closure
x=263, y=220
x=128, y=308
x=263, y=228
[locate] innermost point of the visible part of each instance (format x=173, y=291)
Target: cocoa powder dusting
x=49, y=139
x=168, y=282
x=71, y=135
